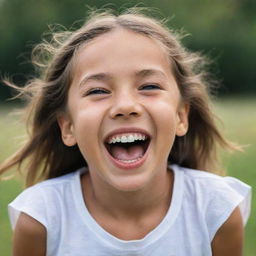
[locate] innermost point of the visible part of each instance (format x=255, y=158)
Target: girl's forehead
x=121, y=47
x=123, y=37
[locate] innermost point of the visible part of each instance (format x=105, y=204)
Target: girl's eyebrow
x=107, y=76
x=149, y=72
x=95, y=77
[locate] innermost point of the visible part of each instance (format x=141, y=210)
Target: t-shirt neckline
x=152, y=236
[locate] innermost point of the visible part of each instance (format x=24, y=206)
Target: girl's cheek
x=89, y=117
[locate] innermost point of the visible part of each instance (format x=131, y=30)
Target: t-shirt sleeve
x=228, y=194
x=30, y=201
x=245, y=196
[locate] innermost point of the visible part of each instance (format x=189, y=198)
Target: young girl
x=122, y=134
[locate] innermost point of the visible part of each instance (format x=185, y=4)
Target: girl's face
x=124, y=109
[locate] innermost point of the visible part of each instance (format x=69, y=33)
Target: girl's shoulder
x=214, y=193
x=46, y=187
x=213, y=196
x=212, y=182
x=58, y=181
x=41, y=199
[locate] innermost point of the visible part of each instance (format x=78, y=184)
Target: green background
x=223, y=30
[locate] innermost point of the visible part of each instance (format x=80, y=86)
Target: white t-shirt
x=201, y=203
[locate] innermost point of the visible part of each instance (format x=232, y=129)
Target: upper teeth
x=127, y=138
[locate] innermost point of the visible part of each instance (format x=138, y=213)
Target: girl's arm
x=29, y=237
x=228, y=240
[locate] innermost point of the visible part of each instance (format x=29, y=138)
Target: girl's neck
x=129, y=205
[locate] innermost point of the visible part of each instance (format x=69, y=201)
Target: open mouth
x=128, y=148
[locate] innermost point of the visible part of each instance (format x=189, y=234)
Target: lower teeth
x=129, y=161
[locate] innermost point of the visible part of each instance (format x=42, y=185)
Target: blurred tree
x=225, y=30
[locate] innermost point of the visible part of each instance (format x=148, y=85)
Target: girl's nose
x=125, y=107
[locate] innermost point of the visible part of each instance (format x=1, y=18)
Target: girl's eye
x=96, y=91
x=150, y=87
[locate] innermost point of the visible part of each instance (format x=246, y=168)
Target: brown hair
x=47, y=155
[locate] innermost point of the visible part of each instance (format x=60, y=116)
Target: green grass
x=238, y=116
x=10, y=128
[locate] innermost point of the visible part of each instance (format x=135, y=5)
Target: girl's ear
x=182, y=119
x=67, y=129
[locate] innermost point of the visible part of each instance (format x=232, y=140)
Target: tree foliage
x=224, y=30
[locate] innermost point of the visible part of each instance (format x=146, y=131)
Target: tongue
x=130, y=153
